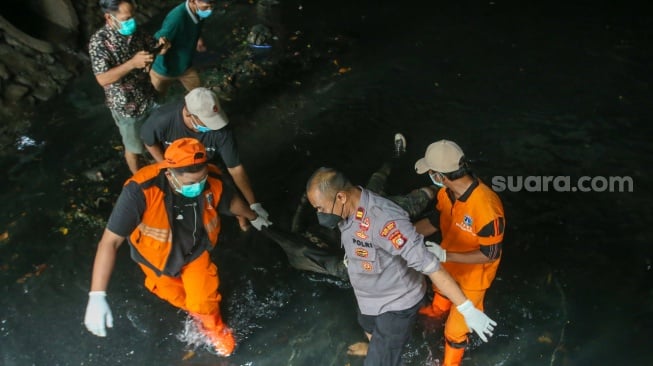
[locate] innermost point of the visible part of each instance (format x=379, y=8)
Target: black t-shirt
x=188, y=234
x=166, y=124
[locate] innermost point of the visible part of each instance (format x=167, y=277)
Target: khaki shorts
x=130, y=130
x=189, y=79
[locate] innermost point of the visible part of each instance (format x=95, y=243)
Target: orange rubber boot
x=452, y=356
x=217, y=332
x=437, y=308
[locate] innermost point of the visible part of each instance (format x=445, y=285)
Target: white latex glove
x=260, y=222
x=98, y=314
x=258, y=208
x=476, y=320
x=437, y=250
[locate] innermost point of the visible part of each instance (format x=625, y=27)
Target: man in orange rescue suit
x=168, y=212
x=469, y=215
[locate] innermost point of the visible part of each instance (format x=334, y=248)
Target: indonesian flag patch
x=365, y=224
x=397, y=239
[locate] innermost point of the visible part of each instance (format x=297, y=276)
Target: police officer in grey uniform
x=386, y=262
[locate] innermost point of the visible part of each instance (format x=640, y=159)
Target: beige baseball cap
x=442, y=156
x=204, y=103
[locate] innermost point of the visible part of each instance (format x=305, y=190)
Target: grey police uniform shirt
x=387, y=257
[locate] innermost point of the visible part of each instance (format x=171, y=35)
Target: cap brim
x=216, y=122
x=421, y=167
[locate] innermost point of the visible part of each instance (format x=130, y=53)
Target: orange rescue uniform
x=196, y=288
x=474, y=220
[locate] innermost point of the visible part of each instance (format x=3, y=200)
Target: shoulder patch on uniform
x=365, y=224
x=361, y=252
x=361, y=234
x=397, y=239
x=367, y=266
x=360, y=212
x=388, y=228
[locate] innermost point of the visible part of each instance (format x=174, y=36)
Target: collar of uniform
x=192, y=15
x=468, y=192
x=349, y=220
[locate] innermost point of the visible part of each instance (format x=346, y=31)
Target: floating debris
x=23, y=142
x=546, y=339
x=37, y=272
x=190, y=354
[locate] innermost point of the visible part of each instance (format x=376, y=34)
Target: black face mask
x=330, y=220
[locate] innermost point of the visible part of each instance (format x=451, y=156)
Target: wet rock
x=45, y=92
x=14, y=92
x=4, y=74
x=14, y=34
x=20, y=47
x=60, y=12
x=46, y=59
x=18, y=62
x=265, y=11
x=259, y=34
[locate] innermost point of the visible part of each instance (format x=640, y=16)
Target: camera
x=156, y=49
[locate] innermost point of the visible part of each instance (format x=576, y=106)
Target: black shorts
x=390, y=332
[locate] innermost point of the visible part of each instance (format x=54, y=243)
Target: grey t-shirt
x=387, y=257
x=165, y=125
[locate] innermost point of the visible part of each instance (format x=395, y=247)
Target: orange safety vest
x=152, y=238
x=464, y=225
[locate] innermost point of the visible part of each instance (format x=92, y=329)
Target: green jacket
x=182, y=30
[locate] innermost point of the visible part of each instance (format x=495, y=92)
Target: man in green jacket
x=181, y=28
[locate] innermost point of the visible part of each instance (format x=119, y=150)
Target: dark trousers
x=390, y=332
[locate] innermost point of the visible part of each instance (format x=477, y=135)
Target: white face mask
x=435, y=182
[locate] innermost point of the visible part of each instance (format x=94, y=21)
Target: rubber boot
x=218, y=334
x=452, y=356
x=437, y=308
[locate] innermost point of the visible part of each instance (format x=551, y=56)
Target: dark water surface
x=523, y=92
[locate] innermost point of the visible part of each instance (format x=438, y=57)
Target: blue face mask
x=199, y=128
x=203, y=14
x=435, y=182
x=190, y=190
x=127, y=27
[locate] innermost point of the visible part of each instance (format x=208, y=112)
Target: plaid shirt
x=134, y=94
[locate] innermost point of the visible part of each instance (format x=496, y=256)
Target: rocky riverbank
x=42, y=49
x=36, y=64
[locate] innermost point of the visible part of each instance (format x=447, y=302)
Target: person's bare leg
x=359, y=348
x=132, y=161
x=190, y=79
